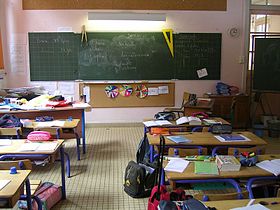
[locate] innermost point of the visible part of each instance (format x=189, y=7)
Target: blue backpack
x=143, y=150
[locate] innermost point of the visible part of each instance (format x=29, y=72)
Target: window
x=264, y=21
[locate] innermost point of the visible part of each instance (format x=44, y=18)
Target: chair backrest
x=200, y=129
x=192, y=150
x=240, y=104
x=235, y=151
x=11, y=132
x=219, y=196
x=186, y=97
x=19, y=164
x=55, y=132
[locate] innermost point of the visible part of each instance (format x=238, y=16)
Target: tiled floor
x=97, y=179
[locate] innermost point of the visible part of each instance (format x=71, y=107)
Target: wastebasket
x=273, y=128
x=258, y=129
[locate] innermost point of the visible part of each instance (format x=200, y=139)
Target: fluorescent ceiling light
x=126, y=16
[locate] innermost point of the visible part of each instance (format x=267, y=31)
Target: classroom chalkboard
x=195, y=51
x=123, y=56
x=53, y=56
x=267, y=65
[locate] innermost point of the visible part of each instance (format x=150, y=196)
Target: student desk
x=229, y=204
x=205, y=139
x=10, y=194
x=57, y=113
x=12, y=151
x=69, y=125
x=189, y=176
x=185, y=126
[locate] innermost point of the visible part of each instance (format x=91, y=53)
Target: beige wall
x=16, y=23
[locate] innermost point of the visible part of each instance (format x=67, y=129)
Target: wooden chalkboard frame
x=98, y=98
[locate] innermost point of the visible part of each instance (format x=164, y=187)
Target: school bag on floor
x=48, y=193
x=139, y=179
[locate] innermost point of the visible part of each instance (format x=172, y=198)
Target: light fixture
x=126, y=16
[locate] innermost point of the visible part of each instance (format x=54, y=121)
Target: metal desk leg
x=62, y=172
x=28, y=194
x=84, y=131
x=78, y=145
x=151, y=153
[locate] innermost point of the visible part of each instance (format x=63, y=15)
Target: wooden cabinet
x=235, y=109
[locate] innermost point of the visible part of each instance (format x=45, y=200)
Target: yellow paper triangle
x=169, y=39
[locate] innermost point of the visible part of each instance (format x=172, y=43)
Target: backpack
x=165, y=116
x=134, y=180
x=143, y=150
x=48, y=193
x=193, y=204
x=9, y=121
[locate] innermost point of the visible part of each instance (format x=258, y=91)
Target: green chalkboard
x=195, y=51
x=267, y=65
x=125, y=56
x=53, y=56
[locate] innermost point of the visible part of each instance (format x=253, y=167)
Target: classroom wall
x=16, y=23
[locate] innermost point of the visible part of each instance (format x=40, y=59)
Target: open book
x=272, y=166
x=156, y=123
x=191, y=120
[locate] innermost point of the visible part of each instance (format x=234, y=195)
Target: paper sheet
x=252, y=207
x=55, y=123
x=46, y=146
x=153, y=91
x=5, y=142
x=177, y=165
x=3, y=183
x=163, y=89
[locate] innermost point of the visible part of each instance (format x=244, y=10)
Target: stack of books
x=227, y=163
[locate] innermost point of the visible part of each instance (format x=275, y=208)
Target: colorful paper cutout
x=126, y=90
x=141, y=91
x=112, y=91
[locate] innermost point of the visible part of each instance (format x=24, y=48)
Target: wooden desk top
x=16, y=181
x=229, y=204
x=16, y=144
x=67, y=124
x=245, y=172
x=208, y=139
x=66, y=108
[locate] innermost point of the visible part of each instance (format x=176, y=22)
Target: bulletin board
x=99, y=99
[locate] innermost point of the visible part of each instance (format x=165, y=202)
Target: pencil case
x=39, y=136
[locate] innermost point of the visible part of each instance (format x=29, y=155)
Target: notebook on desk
x=178, y=139
x=202, y=167
x=232, y=137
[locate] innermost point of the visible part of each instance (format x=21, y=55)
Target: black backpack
x=134, y=180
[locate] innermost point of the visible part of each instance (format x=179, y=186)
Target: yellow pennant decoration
x=169, y=39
